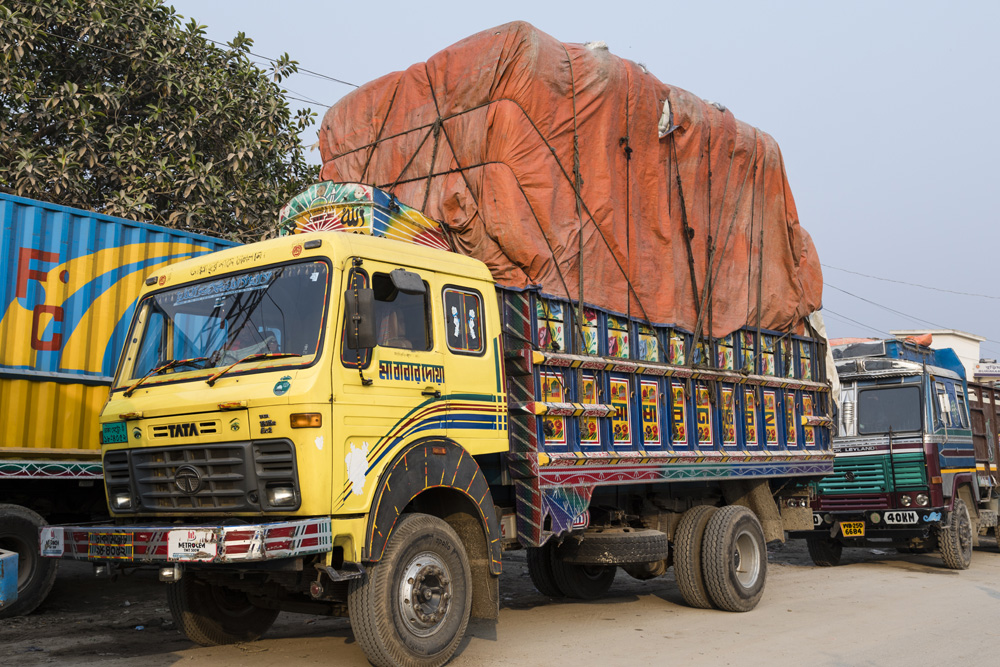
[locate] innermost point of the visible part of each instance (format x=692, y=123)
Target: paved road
x=878, y=609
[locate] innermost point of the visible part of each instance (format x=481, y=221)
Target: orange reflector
x=125, y=416
x=440, y=451
x=307, y=420
x=232, y=405
x=936, y=480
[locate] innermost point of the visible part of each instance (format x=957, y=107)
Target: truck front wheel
x=35, y=575
x=955, y=539
x=824, y=551
x=412, y=607
x=210, y=614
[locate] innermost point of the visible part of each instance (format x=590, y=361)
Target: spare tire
x=614, y=546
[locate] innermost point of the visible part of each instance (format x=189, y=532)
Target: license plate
x=114, y=432
x=900, y=517
x=110, y=546
x=852, y=528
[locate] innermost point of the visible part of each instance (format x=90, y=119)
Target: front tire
x=210, y=614
x=824, y=551
x=955, y=539
x=35, y=574
x=734, y=559
x=540, y=570
x=411, y=608
x=583, y=582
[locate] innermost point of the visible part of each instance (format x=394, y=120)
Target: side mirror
x=360, y=320
x=407, y=282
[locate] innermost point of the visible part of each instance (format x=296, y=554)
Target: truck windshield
x=215, y=323
x=895, y=409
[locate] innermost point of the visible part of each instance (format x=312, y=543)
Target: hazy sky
x=884, y=111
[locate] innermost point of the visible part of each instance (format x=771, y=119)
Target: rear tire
x=955, y=539
x=824, y=551
x=209, y=614
x=412, y=607
x=540, y=570
x=583, y=582
x=688, y=540
x=734, y=559
x=35, y=574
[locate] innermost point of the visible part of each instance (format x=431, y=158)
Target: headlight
x=121, y=500
x=280, y=496
x=828, y=518
x=905, y=501
x=923, y=500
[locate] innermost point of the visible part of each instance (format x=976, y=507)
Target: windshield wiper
x=250, y=357
x=162, y=368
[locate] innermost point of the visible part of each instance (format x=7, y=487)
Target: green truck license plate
x=852, y=528
x=115, y=432
x=110, y=545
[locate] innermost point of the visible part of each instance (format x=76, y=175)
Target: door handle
x=432, y=392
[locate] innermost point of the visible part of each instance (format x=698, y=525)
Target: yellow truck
x=343, y=423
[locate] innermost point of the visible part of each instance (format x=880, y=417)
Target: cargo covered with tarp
x=565, y=166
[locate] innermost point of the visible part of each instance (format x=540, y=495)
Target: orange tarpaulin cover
x=485, y=135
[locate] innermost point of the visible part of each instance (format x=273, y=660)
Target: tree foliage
x=116, y=107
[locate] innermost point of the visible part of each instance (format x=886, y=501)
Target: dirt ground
x=879, y=608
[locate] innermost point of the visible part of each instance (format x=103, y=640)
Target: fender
x=429, y=464
x=958, y=480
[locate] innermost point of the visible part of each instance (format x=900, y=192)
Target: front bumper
x=912, y=523
x=172, y=543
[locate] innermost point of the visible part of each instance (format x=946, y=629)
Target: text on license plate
x=111, y=545
x=900, y=516
x=852, y=528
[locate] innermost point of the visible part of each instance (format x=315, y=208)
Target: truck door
x=397, y=395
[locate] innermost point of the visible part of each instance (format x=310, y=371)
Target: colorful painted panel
x=728, y=417
x=770, y=418
x=767, y=355
x=551, y=327
x=617, y=337
x=703, y=412
x=649, y=345
x=750, y=417
x=676, y=350
x=747, y=363
x=725, y=357
x=362, y=209
x=621, y=432
x=787, y=360
x=807, y=410
x=805, y=360
x=791, y=426
x=678, y=414
x=590, y=433
x=553, y=390
x=463, y=321
x=650, y=413
x=589, y=331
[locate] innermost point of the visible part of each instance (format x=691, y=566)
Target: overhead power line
x=903, y=282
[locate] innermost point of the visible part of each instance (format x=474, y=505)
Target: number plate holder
x=852, y=528
x=110, y=546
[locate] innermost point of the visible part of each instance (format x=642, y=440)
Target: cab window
x=463, y=319
x=401, y=320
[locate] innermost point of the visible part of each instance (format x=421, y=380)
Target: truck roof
x=337, y=245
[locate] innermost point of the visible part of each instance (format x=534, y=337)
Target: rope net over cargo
x=564, y=166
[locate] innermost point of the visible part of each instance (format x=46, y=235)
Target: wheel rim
x=231, y=603
x=425, y=593
x=746, y=559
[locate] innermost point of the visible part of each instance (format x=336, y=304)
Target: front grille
x=229, y=477
x=872, y=501
x=876, y=474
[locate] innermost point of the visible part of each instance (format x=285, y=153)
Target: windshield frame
x=893, y=387
x=140, y=319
